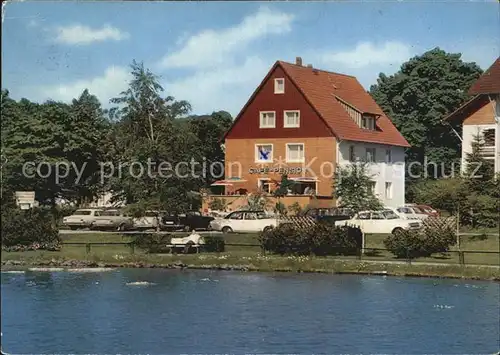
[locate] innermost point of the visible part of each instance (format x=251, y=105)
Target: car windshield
x=417, y=210
x=82, y=213
x=404, y=210
x=150, y=214
x=390, y=214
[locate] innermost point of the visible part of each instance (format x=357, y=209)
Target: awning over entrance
x=228, y=182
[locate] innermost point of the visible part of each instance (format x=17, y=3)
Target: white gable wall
x=468, y=133
x=381, y=171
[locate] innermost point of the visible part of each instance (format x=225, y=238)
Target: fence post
x=461, y=257
x=87, y=247
x=363, y=244
x=132, y=247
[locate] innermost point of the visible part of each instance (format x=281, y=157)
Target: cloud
x=368, y=54
x=83, y=35
x=212, y=47
x=110, y=84
x=224, y=88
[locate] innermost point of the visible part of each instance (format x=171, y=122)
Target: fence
x=462, y=257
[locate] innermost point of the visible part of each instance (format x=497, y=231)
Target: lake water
x=232, y=312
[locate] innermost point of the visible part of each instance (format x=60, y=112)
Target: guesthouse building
x=304, y=122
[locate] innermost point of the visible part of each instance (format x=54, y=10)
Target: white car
x=112, y=219
x=411, y=212
x=81, y=218
x=150, y=220
x=244, y=221
x=381, y=222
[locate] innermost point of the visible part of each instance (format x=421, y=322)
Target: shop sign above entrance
x=268, y=170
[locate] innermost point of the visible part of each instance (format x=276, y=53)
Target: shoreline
x=339, y=267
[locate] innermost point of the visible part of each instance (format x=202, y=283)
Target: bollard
x=87, y=246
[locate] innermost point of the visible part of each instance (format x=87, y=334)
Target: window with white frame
x=295, y=152
x=264, y=185
x=352, y=155
x=279, y=86
x=388, y=156
x=291, y=119
x=388, y=190
x=263, y=153
x=267, y=119
x=370, y=155
x=368, y=122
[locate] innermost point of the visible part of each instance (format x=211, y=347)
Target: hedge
x=424, y=243
x=321, y=240
x=28, y=230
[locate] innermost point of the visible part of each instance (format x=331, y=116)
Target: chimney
x=309, y=66
x=298, y=61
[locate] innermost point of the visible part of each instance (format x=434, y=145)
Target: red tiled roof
x=320, y=87
x=489, y=82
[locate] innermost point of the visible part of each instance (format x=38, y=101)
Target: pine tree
x=479, y=172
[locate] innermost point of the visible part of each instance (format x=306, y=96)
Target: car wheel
x=397, y=230
x=187, y=229
x=268, y=228
x=209, y=228
x=227, y=229
x=73, y=228
x=121, y=227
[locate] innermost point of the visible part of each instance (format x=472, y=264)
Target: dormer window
x=368, y=122
x=279, y=86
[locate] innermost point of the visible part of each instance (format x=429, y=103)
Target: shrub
x=28, y=230
x=415, y=244
x=214, y=244
x=154, y=243
x=280, y=209
x=295, y=208
x=321, y=240
x=217, y=204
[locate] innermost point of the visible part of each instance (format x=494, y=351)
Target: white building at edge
x=481, y=116
x=386, y=169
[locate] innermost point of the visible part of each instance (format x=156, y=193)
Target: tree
x=481, y=204
x=149, y=135
x=353, y=187
x=479, y=172
x=419, y=95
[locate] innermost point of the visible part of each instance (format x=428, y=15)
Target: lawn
x=245, y=246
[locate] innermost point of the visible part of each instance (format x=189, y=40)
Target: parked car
x=411, y=212
x=428, y=210
x=244, y=221
x=150, y=220
x=113, y=219
x=330, y=215
x=189, y=221
x=381, y=222
x=81, y=218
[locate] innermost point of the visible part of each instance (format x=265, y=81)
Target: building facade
x=480, y=116
x=304, y=122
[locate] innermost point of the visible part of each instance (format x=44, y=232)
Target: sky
x=215, y=54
